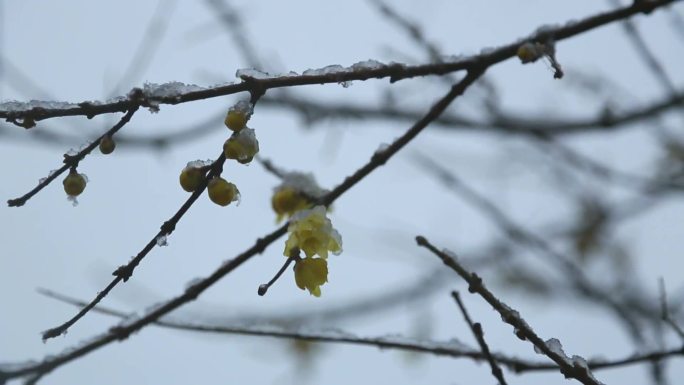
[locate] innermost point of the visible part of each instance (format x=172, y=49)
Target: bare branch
x=476, y=328
x=124, y=330
x=16, y=112
x=569, y=368
x=665, y=312
x=422, y=346
x=71, y=161
x=520, y=235
x=645, y=53
x=505, y=123
x=124, y=272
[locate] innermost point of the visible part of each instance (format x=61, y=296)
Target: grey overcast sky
x=79, y=50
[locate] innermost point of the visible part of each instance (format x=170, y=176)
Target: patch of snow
x=162, y=240
x=169, y=90
x=17, y=106
x=199, y=163
x=366, y=65
x=244, y=107
x=303, y=182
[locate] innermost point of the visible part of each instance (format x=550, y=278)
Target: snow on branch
x=151, y=96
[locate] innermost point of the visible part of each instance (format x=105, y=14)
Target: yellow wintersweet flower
x=312, y=232
x=286, y=201
x=310, y=274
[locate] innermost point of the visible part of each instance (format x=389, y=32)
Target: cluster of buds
x=242, y=145
x=75, y=183
x=220, y=191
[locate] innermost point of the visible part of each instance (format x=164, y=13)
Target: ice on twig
x=161, y=241
x=555, y=346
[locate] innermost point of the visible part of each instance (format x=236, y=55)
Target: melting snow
x=169, y=90
x=162, y=240
x=304, y=182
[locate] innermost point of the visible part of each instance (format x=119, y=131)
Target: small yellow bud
x=107, y=145
x=238, y=115
x=190, y=178
x=235, y=120
x=286, y=201
x=74, y=183
x=222, y=192
x=241, y=146
x=530, y=52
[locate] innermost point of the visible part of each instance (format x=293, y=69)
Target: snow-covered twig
x=574, y=367
x=257, y=82
x=72, y=161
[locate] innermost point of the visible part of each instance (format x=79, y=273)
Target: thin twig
x=475, y=285
x=476, y=328
x=645, y=53
x=147, y=47
x=603, y=172
x=263, y=288
x=232, y=21
x=522, y=236
x=502, y=123
x=124, y=272
x=71, y=161
x=665, y=312
x=415, y=32
x=421, y=346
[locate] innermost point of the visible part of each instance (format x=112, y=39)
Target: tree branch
x=128, y=327
x=569, y=368
x=421, y=346
x=152, y=97
x=72, y=161
x=476, y=328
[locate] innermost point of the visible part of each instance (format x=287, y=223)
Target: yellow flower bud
x=222, y=192
x=241, y=146
x=530, y=52
x=286, y=201
x=238, y=115
x=74, y=183
x=236, y=121
x=107, y=145
x=191, y=178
